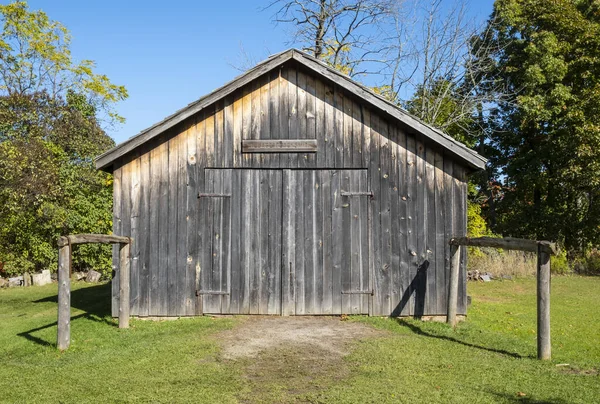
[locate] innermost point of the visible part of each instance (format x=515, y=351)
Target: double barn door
x=284, y=242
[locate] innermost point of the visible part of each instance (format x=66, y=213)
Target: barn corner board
x=291, y=190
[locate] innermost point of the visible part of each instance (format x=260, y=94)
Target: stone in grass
x=42, y=279
x=485, y=278
x=93, y=276
x=3, y=283
x=507, y=277
x=15, y=281
x=79, y=275
x=26, y=279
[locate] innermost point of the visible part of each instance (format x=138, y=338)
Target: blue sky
x=168, y=54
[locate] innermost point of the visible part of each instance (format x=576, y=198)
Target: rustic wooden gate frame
x=543, y=249
x=65, y=243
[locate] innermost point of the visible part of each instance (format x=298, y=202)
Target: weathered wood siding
x=419, y=202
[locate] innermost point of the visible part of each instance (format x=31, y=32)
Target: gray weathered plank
x=385, y=153
x=288, y=301
x=440, y=242
x=280, y=146
x=144, y=236
x=430, y=250
x=117, y=230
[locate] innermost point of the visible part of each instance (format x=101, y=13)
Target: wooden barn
x=291, y=190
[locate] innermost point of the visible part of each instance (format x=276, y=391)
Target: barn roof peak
x=459, y=150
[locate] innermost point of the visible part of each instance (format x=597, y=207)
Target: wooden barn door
x=214, y=231
x=325, y=255
x=240, y=242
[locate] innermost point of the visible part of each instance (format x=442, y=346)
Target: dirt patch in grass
x=581, y=372
x=292, y=358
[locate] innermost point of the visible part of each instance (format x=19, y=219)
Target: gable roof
x=459, y=150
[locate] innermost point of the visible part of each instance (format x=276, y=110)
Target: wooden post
x=453, y=284
x=124, y=285
x=543, y=304
x=63, y=339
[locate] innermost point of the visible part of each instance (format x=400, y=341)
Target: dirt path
x=292, y=358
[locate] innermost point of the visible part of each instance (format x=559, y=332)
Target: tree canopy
x=50, y=131
x=548, y=133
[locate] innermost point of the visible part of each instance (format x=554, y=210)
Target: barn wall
x=419, y=203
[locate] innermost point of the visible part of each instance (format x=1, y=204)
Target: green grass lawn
x=488, y=358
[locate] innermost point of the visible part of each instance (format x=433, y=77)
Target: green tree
x=548, y=137
x=50, y=132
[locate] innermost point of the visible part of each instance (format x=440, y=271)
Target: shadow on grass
x=419, y=331
x=94, y=301
x=526, y=400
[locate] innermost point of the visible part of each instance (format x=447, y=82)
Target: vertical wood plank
x=338, y=126
x=237, y=122
x=263, y=237
x=136, y=235
x=265, y=122
x=448, y=218
x=247, y=241
x=299, y=241
x=237, y=274
x=402, y=305
x=294, y=116
x=117, y=229
x=220, y=148
x=308, y=211
x=375, y=178
x=411, y=220
x=348, y=300
x=255, y=119
x=365, y=273
x=274, y=117
x=289, y=240
x=347, y=128
x=337, y=244
x=255, y=233
x=320, y=123
x=366, y=135
x=191, y=221
x=144, y=235
x=200, y=229
x=172, y=227
x=126, y=201
x=329, y=130
x=153, y=231
x=310, y=159
x=162, y=308
x=440, y=234
x=385, y=152
x=421, y=284
x=228, y=124
x=225, y=260
x=247, y=121
x=317, y=230
x=302, y=116
x=395, y=286
x=355, y=244
x=357, y=136
x=284, y=113
x=431, y=248
x=327, y=209
x=181, y=238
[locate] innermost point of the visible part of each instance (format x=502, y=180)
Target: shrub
x=559, y=263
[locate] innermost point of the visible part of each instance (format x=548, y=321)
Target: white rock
x=42, y=279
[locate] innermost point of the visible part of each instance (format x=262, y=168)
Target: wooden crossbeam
x=507, y=243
